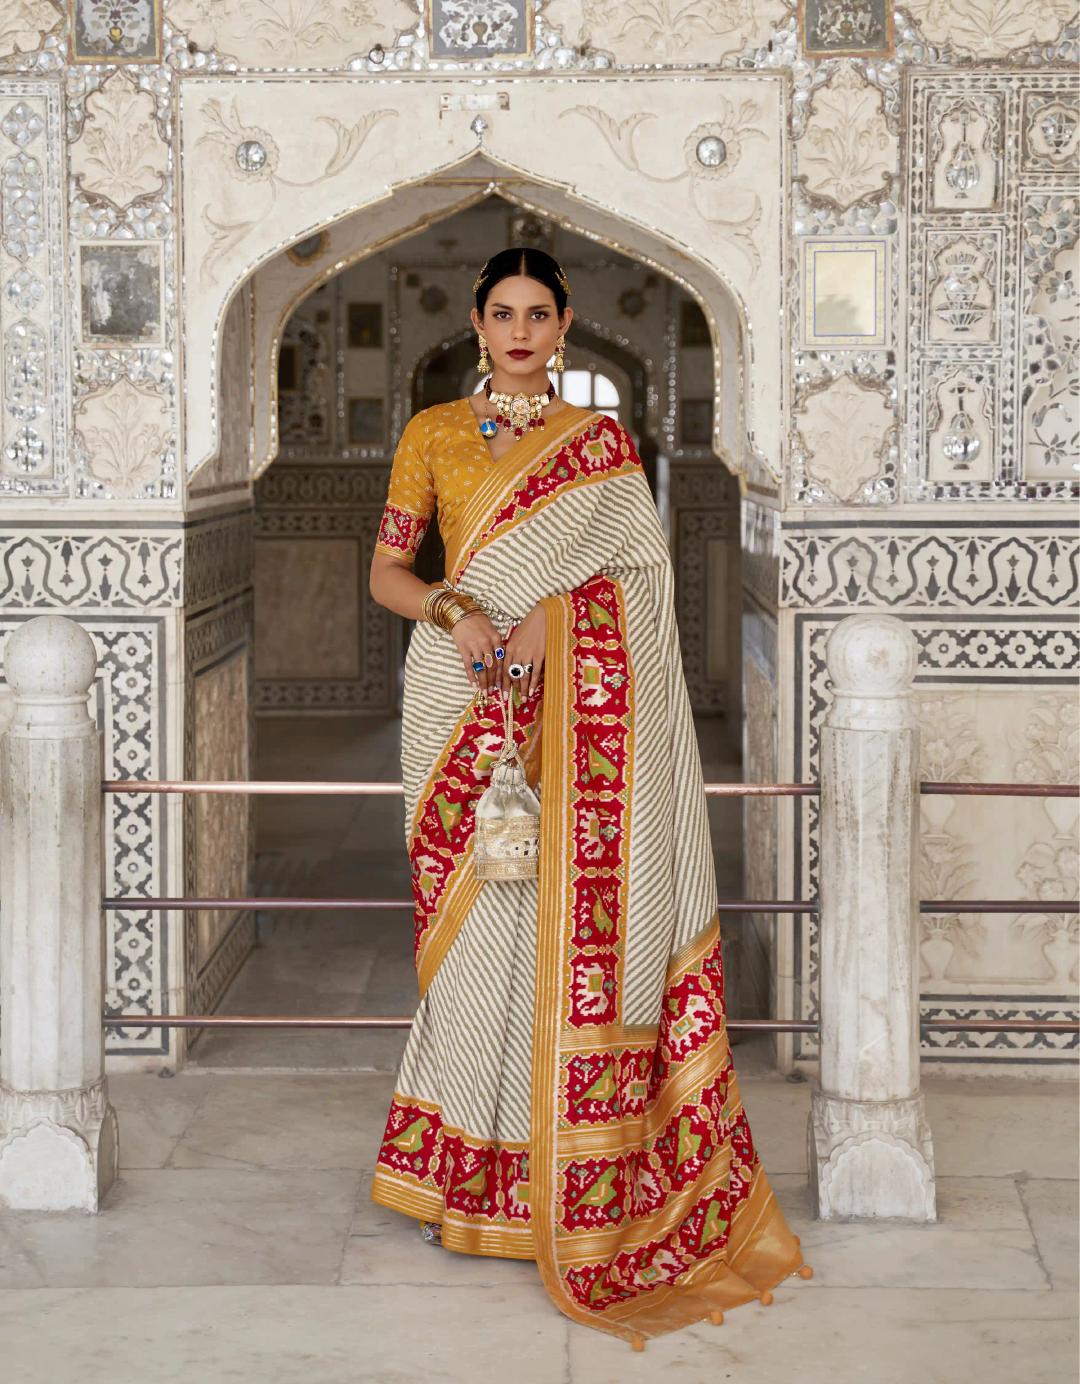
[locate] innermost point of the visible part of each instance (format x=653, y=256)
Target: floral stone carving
x=666, y=30
x=120, y=156
x=292, y=33
x=843, y=430
x=124, y=430
x=847, y=151
x=990, y=28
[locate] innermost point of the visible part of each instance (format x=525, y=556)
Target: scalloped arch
x=363, y=159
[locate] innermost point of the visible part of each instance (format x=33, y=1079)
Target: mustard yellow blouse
x=440, y=459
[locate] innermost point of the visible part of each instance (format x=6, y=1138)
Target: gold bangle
x=446, y=607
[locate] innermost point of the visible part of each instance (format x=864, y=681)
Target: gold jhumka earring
x=559, y=363
x=483, y=365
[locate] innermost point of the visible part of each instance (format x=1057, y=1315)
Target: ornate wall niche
x=1049, y=131
x=339, y=508
x=962, y=282
x=966, y=148
x=962, y=420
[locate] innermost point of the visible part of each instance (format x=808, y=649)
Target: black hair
x=526, y=259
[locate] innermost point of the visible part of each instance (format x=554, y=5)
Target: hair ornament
x=563, y=280
x=479, y=278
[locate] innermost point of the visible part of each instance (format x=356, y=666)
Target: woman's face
x=520, y=315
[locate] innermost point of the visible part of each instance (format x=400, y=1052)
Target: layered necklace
x=517, y=411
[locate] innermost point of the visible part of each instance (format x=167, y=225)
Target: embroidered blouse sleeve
x=410, y=499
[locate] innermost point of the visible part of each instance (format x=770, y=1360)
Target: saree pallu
x=567, y=1092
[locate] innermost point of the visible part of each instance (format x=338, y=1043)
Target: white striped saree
x=567, y=1091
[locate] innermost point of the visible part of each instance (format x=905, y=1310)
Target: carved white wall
x=944, y=138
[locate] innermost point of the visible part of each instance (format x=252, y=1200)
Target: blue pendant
x=489, y=427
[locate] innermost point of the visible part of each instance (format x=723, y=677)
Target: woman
x=566, y=1093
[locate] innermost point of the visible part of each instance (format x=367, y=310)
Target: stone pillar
x=870, y=1148
x=58, y=1134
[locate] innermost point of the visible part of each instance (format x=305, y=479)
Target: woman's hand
x=526, y=644
x=477, y=639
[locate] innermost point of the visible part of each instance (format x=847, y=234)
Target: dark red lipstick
x=519, y=353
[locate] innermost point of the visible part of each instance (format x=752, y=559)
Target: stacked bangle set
x=445, y=607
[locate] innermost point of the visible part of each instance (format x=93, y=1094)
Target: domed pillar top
x=50, y=663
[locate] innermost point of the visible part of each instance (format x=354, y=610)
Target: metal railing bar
x=733, y=1025
x=155, y=904
x=999, y=906
x=152, y=904
x=297, y=787
x=1005, y=790
x=1000, y=1026
x=341, y=788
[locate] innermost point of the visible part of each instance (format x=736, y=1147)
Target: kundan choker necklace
x=517, y=411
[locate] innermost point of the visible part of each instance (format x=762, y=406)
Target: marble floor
x=240, y=1244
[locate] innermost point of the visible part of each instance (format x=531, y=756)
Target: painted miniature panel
x=104, y=31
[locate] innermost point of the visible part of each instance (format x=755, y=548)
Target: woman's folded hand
x=477, y=640
x=526, y=644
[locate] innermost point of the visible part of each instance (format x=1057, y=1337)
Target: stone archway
x=700, y=195
x=640, y=182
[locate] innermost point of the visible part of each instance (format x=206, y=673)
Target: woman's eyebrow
x=530, y=309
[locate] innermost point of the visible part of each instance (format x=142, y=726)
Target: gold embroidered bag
x=506, y=844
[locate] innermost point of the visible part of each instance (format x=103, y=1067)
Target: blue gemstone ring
x=478, y=665
x=500, y=652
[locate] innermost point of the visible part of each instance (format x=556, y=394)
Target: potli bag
x=506, y=843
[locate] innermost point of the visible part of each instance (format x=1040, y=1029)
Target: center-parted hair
x=536, y=264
